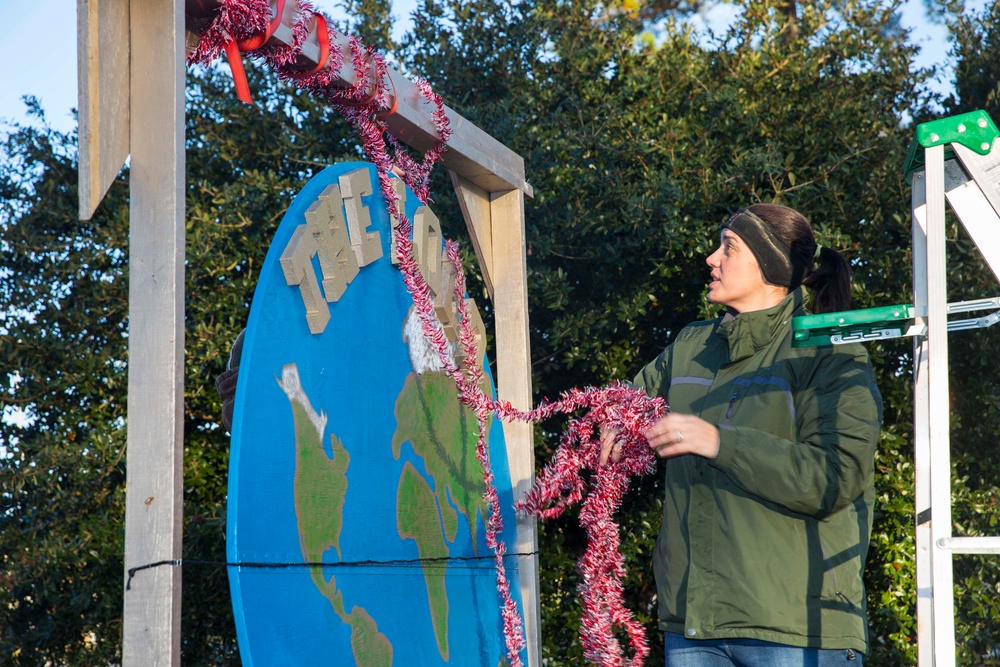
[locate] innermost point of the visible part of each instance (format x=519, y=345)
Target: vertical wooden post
x=154, y=497
x=510, y=286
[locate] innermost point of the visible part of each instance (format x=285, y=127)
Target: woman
x=770, y=453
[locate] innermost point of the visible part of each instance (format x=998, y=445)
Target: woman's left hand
x=677, y=434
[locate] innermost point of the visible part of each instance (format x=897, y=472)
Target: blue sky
x=38, y=49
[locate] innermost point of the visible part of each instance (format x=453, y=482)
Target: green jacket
x=767, y=541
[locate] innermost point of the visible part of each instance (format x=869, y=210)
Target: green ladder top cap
x=974, y=130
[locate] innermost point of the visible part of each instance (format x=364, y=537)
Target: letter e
x=296, y=263
x=427, y=242
x=353, y=186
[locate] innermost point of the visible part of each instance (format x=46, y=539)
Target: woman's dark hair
x=828, y=276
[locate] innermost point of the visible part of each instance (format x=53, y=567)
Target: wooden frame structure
x=132, y=104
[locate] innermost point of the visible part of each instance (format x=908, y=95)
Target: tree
x=62, y=476
x=65, y=334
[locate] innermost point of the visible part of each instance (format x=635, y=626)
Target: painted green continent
x=417, y=519
x=443, y=433
x=320, y=488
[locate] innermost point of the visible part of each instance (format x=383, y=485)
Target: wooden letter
x=337, y=260
x=296, y=263
x=399, y=188
x=353, y=186
x=427, y=246
x=479, y=328
x=444, y=299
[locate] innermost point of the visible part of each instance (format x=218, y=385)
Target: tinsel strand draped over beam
x=246, y=26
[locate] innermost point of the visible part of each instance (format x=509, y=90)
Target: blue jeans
x=681, y=652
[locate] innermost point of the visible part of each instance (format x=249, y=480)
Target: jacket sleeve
x=655, y=376
x=839, y=416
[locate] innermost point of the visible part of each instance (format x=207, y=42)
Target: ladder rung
x=974, y=323
x=975, y=304
x=970, y=545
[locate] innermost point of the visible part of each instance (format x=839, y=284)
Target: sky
x=38, y=49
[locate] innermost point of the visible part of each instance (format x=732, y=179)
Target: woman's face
x=736, y=278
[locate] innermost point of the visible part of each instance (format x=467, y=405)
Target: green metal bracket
x=852, y=326
x=974, y=130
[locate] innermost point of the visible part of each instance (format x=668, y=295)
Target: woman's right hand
x=610, y=447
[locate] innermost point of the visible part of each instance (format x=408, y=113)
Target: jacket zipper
x=729, y=410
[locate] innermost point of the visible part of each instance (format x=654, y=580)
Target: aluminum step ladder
x=957, y=160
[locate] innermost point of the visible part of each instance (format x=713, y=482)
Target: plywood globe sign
x=356, y=504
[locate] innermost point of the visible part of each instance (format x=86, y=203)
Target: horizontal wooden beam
x=472, y=153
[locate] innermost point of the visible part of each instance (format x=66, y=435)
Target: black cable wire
x=442, y=561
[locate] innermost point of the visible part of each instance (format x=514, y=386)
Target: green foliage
x=637, y=149
x=63, y=349
x=65, y=292
x=977, y=40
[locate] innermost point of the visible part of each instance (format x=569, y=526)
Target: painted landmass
x=417, y=519
x=443, y=433
x=320, y=488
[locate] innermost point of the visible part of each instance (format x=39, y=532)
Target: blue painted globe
x=356, y=509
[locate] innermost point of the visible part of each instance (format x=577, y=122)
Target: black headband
x=773, y=253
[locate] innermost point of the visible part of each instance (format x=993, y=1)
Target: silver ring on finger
x=680, y=438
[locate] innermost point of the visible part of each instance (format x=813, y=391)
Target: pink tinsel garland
x=626, y=410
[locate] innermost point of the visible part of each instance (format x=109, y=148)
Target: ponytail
x=830, y=282
x=823, y=270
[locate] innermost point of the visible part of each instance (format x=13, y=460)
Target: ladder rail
x=921, y=443
x=984, y=170
x=938, y=418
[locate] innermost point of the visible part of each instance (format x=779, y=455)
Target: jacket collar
x=746, y=333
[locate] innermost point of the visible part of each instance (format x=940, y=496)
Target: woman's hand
x=609, y=447
x=677, y=434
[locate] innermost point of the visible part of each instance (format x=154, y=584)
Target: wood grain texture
x=472, y=153
x=155, y=477
x=475, y=205
x=510, y=302
x=103, y=97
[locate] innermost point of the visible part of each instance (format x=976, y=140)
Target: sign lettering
x=336, y=233
x=296, y=264
x=353, y=186
x=337, y=259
